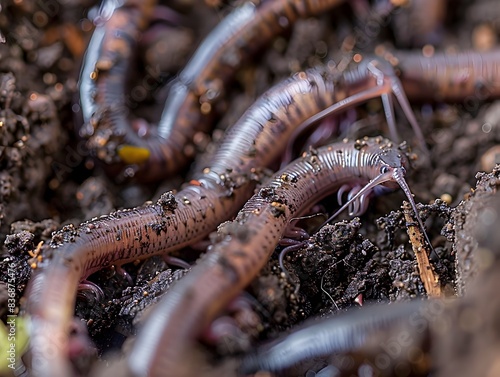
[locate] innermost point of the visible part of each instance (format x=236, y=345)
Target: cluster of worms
x=232, y=196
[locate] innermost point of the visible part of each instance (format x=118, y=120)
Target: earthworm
x=448, y=77
x=163, y=151
x=153, y=153
x=216, y=193
x=121, y=237
x=320, y=339
x=102, y=83
x=245, y=244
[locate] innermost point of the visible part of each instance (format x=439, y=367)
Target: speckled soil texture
x=48, y=179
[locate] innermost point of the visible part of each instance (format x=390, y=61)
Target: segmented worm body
x=213, y=196
x=246, y=243
x=459, y=76
x=441, y=77
x=466, y=76
x=134, y=148
x=158, y=152
x=326, y=337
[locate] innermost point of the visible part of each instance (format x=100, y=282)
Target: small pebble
x=490, y=158
x=447, y=198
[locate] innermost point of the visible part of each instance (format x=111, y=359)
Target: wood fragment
x=427, y=274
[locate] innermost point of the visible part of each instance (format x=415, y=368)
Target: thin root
x=427, y=274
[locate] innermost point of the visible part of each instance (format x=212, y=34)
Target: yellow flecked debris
x=130, y=154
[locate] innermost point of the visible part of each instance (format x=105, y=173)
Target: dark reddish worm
x=151, y=153
x=460, y=76
x=214, y=195
x=245, y=244
x=343, y=333
x=136, y=148
x=440, y=77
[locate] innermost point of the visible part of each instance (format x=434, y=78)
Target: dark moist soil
x=48, y=178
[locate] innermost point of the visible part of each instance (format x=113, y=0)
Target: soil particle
x=16, y=259
x=136, y=299
x=229, y=228
x=464, y=222
x=168, y=202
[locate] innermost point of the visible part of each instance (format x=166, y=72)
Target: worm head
x=392, y=163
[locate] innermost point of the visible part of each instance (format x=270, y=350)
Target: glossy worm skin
x=214, y=195
x=320, y=339
x=470, y=77
x=111, y=42
x=440, y=77
x=449, y=77
x=154, y=153
x=245, y=245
